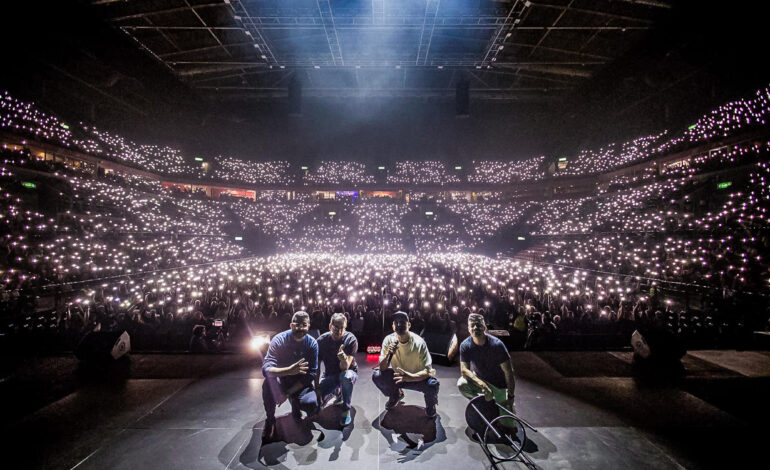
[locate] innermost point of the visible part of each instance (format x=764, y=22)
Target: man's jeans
x=274, y=391
x=345, y=381
x=384, y=381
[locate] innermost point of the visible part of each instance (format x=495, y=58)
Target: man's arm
x=346, y=362
x=299, y=367
x=270, y=365
x=313, y=366
x=316, y=383
x=454, y=348
x=425, y=373
x=510, y=382
x=386, y=353
x=465, y=371
x=403, y=376
x=347, y=359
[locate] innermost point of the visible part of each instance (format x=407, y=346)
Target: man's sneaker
x=332, y=399
x=345, y=418
x=393, y=401
x=268, y=432
x=430, y=411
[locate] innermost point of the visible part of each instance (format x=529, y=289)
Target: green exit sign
x=563, y=159
x=238, y=239
x=521, y=238
x=303, y=167
x=29, y=184
x=332, y=213
x=428, y=213
x=380, y=167
x=724, y=184
x=198, y=159
x=458, y=168
x=692, y=127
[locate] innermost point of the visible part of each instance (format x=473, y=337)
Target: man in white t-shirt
x=405, y=363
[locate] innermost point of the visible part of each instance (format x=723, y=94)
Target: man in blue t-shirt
x=290, y=368
x=336, y=349
x=485, y=366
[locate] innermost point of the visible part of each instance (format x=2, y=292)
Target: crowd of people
x=348, y=172
x=25, y=118
x=426, y=172
x=235, y=169
x=674, y=246
x=501, y=172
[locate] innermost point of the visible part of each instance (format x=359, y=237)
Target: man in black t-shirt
x=336, y=349
x=485, y=366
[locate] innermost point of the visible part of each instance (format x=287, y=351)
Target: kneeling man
x=290, y=368
x=336, y=349
x=406, y=363
x=485, y=366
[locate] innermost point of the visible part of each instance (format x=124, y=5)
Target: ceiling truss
x=511, y=50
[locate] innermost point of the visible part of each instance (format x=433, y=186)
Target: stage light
x=258, y=341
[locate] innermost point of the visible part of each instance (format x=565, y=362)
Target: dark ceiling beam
x=540, y=78
x=311, y=89
x=585, y=28
x=216, y=38
x=202, y=49
x=327, y=17
x=550, y=69
x=201, y=70
x=254, y=31
x=649, y=3
x=539, y=95
x=564, y=51
x=424, y=70
x=593, y=36
x=428, y=26
x=145, y=48
x=569, y=7
x=555, y=22
x=182, y=28
x=236, y=63
x=167, y=11
x=385, y=27
x=233, y=75
x=165, y=36
x=495, y=43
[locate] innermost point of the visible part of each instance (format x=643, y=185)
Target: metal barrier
x=488, y=420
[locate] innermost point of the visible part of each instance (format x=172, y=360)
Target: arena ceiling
x=507, y=50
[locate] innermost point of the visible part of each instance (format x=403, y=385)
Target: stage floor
x=205, y=412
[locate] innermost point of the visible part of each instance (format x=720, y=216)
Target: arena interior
x=179, y=177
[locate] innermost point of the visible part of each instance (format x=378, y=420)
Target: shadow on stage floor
x=204, y=412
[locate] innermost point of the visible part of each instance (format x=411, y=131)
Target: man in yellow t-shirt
x=406, y=363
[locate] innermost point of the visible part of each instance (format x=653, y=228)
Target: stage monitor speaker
x=103, y=346
x=295, y=97
x=438, y=345
x=462, y=99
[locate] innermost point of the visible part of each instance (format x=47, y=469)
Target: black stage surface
x=166, y=411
